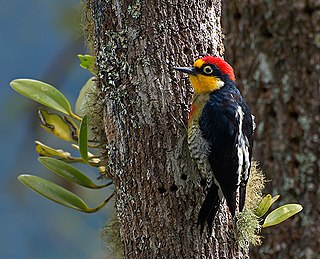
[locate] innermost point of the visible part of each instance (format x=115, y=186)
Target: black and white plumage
x=226, y=124
x=220, y=133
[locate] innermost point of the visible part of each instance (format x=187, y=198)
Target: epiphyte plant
x=70, y=127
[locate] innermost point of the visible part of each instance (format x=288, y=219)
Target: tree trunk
x=274, y=46
x=157, y=184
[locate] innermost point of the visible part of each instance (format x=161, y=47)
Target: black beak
x=188, y=70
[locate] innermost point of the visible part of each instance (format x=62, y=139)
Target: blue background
x=37, y=42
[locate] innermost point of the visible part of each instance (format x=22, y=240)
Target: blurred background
x=274, y=47
x=40, y=39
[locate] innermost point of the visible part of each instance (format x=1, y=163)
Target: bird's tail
x=209, y=208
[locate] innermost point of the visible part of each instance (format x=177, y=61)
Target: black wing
x=221, y=122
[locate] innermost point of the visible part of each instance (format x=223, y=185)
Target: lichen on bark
x=156, y=182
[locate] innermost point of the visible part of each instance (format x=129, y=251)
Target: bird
x=220, y=136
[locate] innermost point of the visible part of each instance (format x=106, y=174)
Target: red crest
x=221, y=64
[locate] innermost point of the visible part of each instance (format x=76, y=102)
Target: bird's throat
x=205, y=84
x=198, y=102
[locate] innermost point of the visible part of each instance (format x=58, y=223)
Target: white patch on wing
x=253, y=122
x=242, y=149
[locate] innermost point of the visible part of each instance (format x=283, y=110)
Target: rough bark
x=274, y=46
x=157, y=185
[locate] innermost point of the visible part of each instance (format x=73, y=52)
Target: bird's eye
x=207, y=70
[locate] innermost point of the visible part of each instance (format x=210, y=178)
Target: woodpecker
x=220, y=129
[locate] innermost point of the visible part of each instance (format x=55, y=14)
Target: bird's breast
x=198, y=145
x=198, y=103
x=199, y=149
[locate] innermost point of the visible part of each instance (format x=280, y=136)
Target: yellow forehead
x=198, y=63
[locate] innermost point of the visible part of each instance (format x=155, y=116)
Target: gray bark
x=157, y=185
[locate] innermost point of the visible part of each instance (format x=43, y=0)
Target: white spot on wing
x=242, y=149
x=253, y=122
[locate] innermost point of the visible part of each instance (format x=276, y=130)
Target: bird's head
x=208, y=74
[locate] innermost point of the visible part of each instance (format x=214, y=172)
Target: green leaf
x=87, y=62
x=84, y=101
x=69, y=172
x=53, y=192
x=281, y=214
x=274, y=199
x=42, y=93
x=83, y=139
x=265, y=204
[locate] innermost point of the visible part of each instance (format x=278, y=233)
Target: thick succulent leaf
x=265, y=204
x=281, y=214
x=83, y=139
x=69, y=172
x=84, y=100
x=42, y=93
x=57, y=126
x=44, y=150
x=53, y=192
x=85, y=103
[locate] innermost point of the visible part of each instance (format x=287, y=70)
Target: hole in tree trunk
x=173, y=188
x=162, y=190
x=184, y=177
